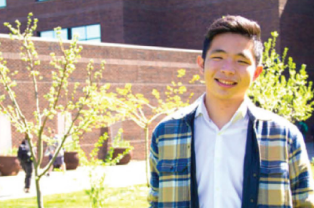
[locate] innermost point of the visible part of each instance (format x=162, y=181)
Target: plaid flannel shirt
x=285, y=178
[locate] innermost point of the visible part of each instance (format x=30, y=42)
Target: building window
x=3, y=3
x=85, y=33
x=53, y=35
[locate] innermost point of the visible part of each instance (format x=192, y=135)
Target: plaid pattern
x=285, y=177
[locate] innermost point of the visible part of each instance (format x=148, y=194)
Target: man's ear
x=200, y=63
x=257, y=72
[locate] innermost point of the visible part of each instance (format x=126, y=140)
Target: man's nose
x=228, y=67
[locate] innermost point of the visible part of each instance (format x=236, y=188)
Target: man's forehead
x=232, y=42
x=243, y=52
x=236, y=38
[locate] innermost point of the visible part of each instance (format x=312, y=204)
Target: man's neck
x=221, y=111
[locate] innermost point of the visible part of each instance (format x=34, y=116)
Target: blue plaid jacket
x=283, y=176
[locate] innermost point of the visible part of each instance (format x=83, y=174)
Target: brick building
x=146, y=68
x=169, y=23
x=164, y=23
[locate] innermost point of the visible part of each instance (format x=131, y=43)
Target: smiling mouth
x=231, y=83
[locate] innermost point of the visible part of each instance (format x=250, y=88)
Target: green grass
x=126, y=197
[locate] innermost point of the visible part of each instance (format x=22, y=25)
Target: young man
x=26, y=161
x=222, y=151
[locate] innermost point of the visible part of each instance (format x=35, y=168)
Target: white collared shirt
x=220, y=158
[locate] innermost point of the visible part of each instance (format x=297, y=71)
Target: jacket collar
x=256, y=113
x=186, y=113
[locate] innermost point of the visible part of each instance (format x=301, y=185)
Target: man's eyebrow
x=217, y=51
x=242, y=55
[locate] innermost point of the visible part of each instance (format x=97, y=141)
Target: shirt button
x=254, y=175
x=252, y=200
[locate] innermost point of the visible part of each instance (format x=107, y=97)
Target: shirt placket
x=217, y=170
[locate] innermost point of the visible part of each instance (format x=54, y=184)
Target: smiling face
x=229, y=68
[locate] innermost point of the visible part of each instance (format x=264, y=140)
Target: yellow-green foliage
x=281, y=88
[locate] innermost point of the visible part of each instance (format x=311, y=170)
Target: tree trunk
x=40, y=201
x=146, y=129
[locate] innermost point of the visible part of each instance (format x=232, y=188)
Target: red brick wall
x=297, y=31
x=185, y=22
x=145, y=68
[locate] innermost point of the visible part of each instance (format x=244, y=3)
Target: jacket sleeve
x=301, y=178
x=154, y=179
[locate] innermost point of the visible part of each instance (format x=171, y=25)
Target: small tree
x=139, y=109
x=97, y=175
x=287, y=94
x=59, y=99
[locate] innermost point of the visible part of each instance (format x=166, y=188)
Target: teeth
x=226, y=82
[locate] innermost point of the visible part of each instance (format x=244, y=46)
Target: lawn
x=127, y=197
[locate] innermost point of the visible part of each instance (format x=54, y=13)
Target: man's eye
x=217, y=57
x=243, y=62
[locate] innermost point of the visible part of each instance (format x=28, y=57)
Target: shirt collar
x=241, y=113
x=201, y=108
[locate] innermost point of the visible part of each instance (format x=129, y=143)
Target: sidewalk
x=11, y=187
